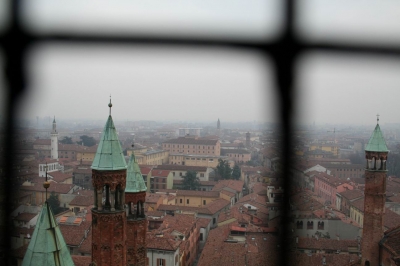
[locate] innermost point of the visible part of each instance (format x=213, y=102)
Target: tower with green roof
x=376, y=153
x=135, y=196
x=108, y=215
x=47, y=246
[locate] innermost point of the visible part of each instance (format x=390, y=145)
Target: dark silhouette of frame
x=15, y=41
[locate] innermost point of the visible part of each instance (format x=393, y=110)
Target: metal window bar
x=283, y=51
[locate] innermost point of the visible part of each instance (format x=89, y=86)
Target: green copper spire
x=134, y=179
x=377, y=143
x=109, y=154
x=47, y=246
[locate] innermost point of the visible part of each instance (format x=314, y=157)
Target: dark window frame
x=283, y=51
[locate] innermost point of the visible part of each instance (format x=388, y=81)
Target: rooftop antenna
x=110, y=105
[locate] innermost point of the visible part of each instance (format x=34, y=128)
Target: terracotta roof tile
x=236, y=185
x=82, y=200
x=81, y=260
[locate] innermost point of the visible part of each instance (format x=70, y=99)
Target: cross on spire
x=377, y=118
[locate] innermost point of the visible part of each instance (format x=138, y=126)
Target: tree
x=236, y=172
x=66, y=140
x=191, y=181
x=54, y=203
x=87, y=141
x=223, y=170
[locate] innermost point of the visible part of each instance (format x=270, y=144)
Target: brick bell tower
x=108, y=215
x=135, y=196
x=376, y=153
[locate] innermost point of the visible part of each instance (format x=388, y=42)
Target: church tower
x=376, y=153
x=54, y=141
x=108, y=215
x=135, y=196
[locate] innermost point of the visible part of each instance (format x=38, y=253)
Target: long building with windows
x=193, y=145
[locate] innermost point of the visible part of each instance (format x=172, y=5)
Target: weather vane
x=110, y=104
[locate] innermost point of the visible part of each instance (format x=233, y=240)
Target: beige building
x=195, y=160
x=194, y=198
x=153, y=157
x=237, y=155
x=193, y=145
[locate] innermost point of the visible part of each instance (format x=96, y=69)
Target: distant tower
x=54, y=141
x=47, y=245
x=376, y=153
x=108, y=215
x=219, y=128
x=248, y=140
x=135, y=196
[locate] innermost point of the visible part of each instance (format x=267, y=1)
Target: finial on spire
x=377, y=118
x=46, y=184
x=110, y=104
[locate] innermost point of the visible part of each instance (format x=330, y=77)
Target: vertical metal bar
x=14, y=45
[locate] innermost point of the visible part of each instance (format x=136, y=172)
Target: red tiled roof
x=183, y=140
x=86, y=246
x=159, y=173
x=25, y=217
x=81, y=260
x=228, y=193
x=59, y=176
x=82, y=201
x=391, y=241
x=56, y=187
x=326, y=244
x=303, y=259
x=391, y=219
x=145, y=170
x=236, y=185
x=42, y=142
x=196, y=193
x=161, y=243
x=352, y=194
x=177, y=167
x=74, y=234
x=251, y=252
x=359, y=204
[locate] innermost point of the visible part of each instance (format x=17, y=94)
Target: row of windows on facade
x=238, y=155
x=349, y=170
x=310, y=225
x=187, y=201
x=188, y=146
x=182, y=151
x=181, y=174
x=50, y=167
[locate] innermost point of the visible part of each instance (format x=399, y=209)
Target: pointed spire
x=54, y=120
x=377, y=142
x=47, y=246
x=109, y=155
x=134, y=178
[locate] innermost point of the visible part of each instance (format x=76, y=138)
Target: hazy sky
x=202, y=85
